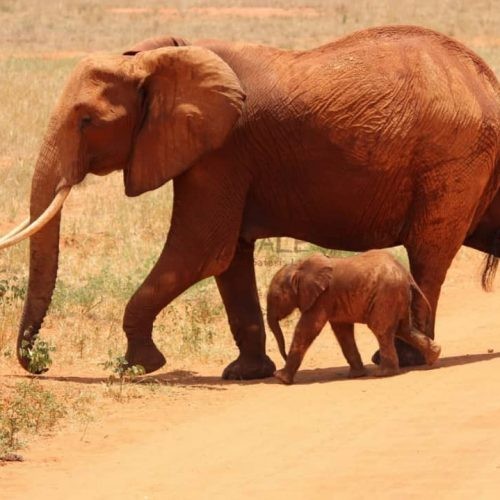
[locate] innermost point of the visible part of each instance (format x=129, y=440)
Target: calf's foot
x=283, y=376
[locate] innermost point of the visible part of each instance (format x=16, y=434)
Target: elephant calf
x=372, y=288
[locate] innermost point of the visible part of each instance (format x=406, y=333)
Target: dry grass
x=110, y=242
x=112, y=24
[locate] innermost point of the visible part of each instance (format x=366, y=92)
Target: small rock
x=490, y=350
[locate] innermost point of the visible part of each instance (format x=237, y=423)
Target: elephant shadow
x=339, y=373
x=187, y=378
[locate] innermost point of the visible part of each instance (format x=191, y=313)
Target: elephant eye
x=85, y=121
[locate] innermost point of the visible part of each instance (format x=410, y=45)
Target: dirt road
x=430, y=432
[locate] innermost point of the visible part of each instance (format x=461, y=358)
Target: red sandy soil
x=6, y=161
x=426, y=433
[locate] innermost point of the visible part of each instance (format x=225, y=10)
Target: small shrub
x=29, y=408
x=121, y=372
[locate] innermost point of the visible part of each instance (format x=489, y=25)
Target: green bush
x=29, y=408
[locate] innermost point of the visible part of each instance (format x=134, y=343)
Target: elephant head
x=152, y=115
x=296, y=285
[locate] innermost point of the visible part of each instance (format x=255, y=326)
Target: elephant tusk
x=38, y=224
x=14, y=231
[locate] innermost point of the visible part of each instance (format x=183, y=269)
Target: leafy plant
x=121, y=371
x=38, y=354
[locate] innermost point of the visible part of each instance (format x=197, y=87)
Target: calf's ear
x=308, y=286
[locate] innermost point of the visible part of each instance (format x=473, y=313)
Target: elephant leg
x=389, y=364
x=344, y=332
x=437, y=233
x=424, y=344
x=238, y=289
x=429, y=271
x=172, y=274
x=201, y=242
x=198, y=246
x=308, y=328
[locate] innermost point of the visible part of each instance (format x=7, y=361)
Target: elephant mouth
x=104, y=169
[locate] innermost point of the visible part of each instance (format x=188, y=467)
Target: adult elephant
x=389, y=136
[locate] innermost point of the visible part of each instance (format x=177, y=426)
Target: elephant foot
x=408, y=356
x=356, y=372
x=143, y=352
x=283, y=376
x=249, y=368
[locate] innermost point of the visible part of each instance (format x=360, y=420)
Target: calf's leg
x=310, y=324
x=389, y=364
x=344, y=332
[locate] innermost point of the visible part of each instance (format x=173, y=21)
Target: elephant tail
x=415, y=289
x=274, y=324
x=490, y=265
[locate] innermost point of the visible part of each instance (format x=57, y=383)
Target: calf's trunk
x=274, y=324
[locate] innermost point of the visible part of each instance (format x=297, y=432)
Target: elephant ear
x=155, y=43
x=192, y=99
x=308, y=284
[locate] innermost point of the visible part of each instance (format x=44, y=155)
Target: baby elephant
x=372, y=288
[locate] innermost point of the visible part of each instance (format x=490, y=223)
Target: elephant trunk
x=44, y=250
x=274, y=324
